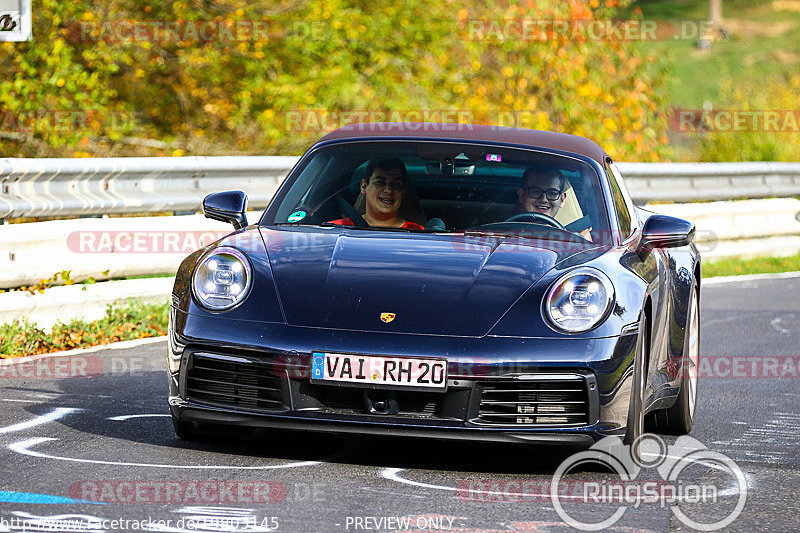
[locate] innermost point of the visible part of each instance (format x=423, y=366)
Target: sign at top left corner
x=15, y=20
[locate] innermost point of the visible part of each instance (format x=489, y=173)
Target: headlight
x=222, y=279
x=579, y=300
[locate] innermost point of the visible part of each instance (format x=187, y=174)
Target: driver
x=543, y=190
x=383, y=187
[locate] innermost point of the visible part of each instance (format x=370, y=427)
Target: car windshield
x=444, y=187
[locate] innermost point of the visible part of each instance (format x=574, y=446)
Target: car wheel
x=636, y=409
x=679, y=419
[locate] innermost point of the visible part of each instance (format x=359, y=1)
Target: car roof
x=469, y=132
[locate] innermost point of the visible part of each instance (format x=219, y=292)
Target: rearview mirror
x=228, y=206
x=661, y=231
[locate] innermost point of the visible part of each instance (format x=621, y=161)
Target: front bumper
x=545, y=398
x=189, y=412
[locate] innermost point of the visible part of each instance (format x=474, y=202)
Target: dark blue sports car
x=446, y=281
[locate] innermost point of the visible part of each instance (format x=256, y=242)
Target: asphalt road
x=107, y=439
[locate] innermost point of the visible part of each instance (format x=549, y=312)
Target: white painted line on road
x=128, y=417
x=16, y=400
x=23, y=447
x=208, y=518
x=748, y=277
x=777, y=441
x=776, y=324
x=55, y=414
x=734, y=318
x=63, y=522
x=392, y=474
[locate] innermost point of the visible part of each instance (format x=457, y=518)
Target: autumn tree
x=173, y=89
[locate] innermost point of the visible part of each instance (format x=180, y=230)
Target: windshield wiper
x=323, y=224
x=484, y=233
x=371, y=228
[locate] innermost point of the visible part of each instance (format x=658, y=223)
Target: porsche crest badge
x=387, y=317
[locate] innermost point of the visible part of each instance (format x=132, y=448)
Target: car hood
x=443, y=284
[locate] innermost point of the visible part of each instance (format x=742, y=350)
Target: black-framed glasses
x=534, y=193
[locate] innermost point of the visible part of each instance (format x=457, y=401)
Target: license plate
x=388, y=372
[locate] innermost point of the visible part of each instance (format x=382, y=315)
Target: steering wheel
x=351, y=212
x=536, y=217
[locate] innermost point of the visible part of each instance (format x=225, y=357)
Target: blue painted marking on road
x=30, y=497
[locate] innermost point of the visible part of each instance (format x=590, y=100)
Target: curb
x=86, y=302
x=748, y=277
x=120, y=345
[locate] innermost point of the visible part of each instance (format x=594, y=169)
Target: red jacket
x=348, y=222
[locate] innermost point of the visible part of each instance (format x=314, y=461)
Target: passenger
x=383, y=188
x=542, y=191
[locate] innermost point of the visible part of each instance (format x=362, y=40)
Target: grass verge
x=762, y=45
x=756, y=265
x=134, y=320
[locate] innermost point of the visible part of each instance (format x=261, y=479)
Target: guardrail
x=123, y=247
x=54, y=187
x=690, y=182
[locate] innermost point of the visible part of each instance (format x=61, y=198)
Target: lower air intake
x=226, y=381
x=553, y=402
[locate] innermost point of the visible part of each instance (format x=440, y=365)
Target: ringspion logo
x=671, y=462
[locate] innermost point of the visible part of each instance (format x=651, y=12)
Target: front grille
x=233, y=382
x=348, y=400
x=556, y=402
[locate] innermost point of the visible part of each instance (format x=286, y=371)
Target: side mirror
x=228, y=206
x=661, y=231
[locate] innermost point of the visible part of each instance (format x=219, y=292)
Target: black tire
x=679, y=419
x=186, y=431
x=636, y=408
x=197, y=432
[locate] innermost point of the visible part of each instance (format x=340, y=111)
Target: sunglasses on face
x=534, y=193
